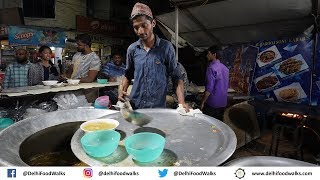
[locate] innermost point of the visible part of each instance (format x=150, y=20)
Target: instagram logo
x=87, y=172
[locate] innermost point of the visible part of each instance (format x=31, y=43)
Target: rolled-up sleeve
x=129, y=72
x=173, y=68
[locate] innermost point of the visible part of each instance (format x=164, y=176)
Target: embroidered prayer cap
x=141, y=9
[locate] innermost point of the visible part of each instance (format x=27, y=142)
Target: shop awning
x=203, y=23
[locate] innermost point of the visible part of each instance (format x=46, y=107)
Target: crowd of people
x=150, y=62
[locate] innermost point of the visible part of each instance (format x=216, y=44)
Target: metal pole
x=177, y=31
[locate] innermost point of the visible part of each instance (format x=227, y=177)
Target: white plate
x=276, y=57
x=266, y=75
x=304, y=66
x=297, y=86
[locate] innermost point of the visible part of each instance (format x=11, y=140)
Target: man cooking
x=150, y=61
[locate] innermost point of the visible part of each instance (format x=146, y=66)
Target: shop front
x=106, y=35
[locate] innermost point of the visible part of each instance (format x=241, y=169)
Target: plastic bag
x=71, y=100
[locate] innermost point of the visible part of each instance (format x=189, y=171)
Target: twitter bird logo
x=162, y=173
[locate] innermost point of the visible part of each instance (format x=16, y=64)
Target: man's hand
x=201, y=106
x=112, y=79
x=62, y=78
x=122, y=95
x=186, y=107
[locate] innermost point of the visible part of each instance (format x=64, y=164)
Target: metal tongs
x=134, y=117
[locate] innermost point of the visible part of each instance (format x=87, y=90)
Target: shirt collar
x=157, y=42
x=215, y=61
x=19, y=64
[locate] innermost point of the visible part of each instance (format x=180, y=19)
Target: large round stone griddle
x=190, y=141
x=266, y=161
x=12, y=137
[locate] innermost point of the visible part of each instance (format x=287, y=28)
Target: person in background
x=172, y=85
x=16, y=74
x=43, y=70
x=114, y=69
x=215, y=96
x=60, y=66
x=150, y=61
x=85, y=63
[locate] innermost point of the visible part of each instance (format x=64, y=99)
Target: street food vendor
x=85, y=63
x=150, y=61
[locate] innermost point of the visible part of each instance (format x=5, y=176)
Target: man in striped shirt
x=114, y=69
x=17, y=73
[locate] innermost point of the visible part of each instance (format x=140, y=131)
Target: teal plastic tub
x=5, y=122
x=102, y=81
x=145, y=146
x=100, y=143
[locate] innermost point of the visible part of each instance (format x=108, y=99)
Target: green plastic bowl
x=5, y=122
x=100, y=143
x=145, y=146
x=102, y=81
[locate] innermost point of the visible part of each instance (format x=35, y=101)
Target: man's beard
x=21, y=60
x=80, y=50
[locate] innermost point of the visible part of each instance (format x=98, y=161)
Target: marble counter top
x=34, y=90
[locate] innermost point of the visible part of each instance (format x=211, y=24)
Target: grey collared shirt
x=150, y=71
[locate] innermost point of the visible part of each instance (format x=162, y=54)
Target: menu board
x=283, y=69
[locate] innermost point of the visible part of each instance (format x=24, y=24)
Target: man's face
x=143, y=27
x=81, y=46
x=21, y=56
x=117, y=59
x=211, y=56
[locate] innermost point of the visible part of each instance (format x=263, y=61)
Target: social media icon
x=162, y=173
x=87, y=172
x=11, y=173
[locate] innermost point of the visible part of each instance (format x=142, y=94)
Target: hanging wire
x=204, y=2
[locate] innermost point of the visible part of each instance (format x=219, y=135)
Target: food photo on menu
x=266, y=82
x=268, y=56
x=291, y=66
x=292, y=93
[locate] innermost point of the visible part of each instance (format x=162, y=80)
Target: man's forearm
x=205, y=97
x=180, y=92
x=69, y=72
x=86, y=80
x=125, y=84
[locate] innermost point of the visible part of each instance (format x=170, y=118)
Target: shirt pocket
x=159, y=81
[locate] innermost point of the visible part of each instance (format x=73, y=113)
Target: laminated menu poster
x=240, y=61
x=282, y=70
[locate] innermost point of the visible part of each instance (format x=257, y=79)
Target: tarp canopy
x=203, y=23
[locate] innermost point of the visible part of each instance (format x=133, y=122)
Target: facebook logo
x=11, y=173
